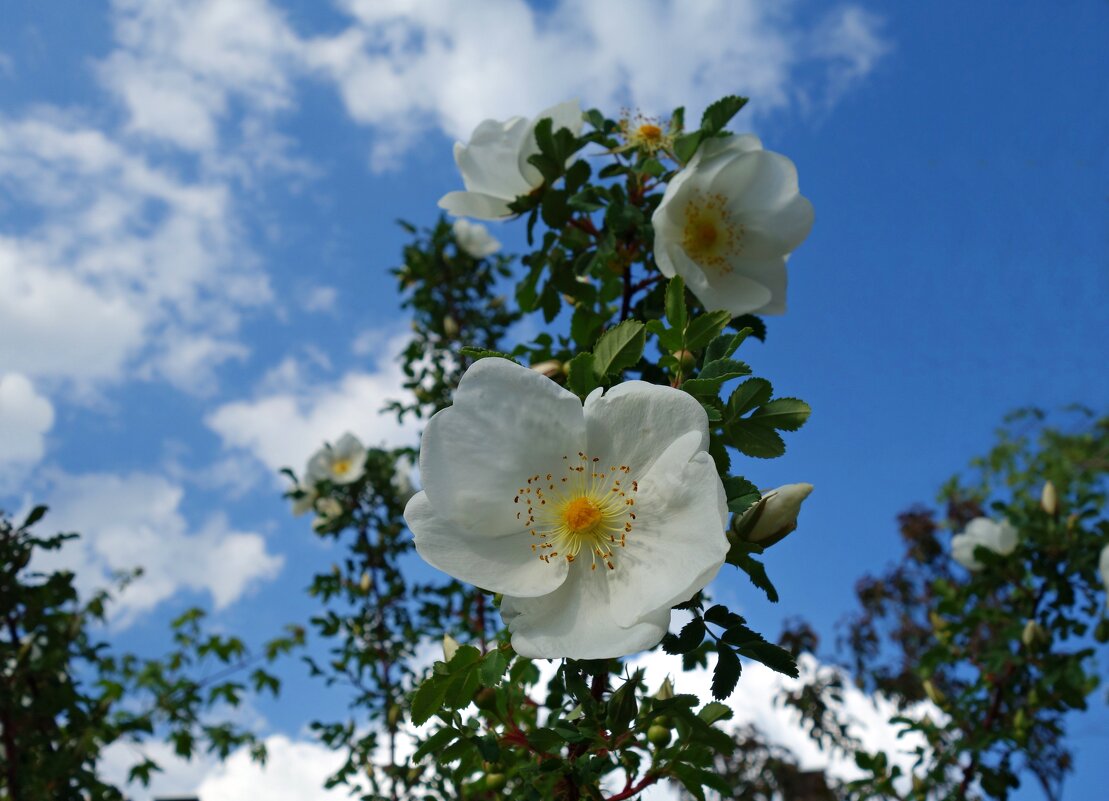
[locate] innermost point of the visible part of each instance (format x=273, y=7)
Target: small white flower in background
x=1103, y=565
x=402, y=478
x=341, y=463
x=1001, y=538
x=727, y=223
x=775, y=516
x=307, y=501
x=494, y=163
x=475, y=239
x=327, y=509
x=592, y=522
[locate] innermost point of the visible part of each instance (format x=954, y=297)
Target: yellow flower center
x=341, y=467
x=644, y=133
x=710, y=237
x=588, y=508
x=649, y=133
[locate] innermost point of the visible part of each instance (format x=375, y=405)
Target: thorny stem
x=630, y=789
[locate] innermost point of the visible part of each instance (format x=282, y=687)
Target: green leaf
x=482, y=353
x=577, y=175
x=720, y=113
x=619, y=348
x=756, y=324
x=555, y=209
x=755, y=439
x=725, y=674
x=702, y=330
x=776, y=658
x=668, y=338
x=755, y=571
x=493, y=665
x=581, y=377
x=724, y=370
x=691, y=635
x=584, y=326
x=34, y=516
x=428, y=698
x=741, y=494
x=719, y=454
x=675, y=303
x=725, y=345
x=720, y=615
x=434, y=743
x=750, y=394
x=686, y=145
x=653, y=167
x=714, y=711
x=784, y=414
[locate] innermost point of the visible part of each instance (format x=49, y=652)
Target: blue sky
x=197, y=205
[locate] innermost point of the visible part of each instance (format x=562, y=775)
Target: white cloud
x=25, y=419
x=294, y=414
x=405, y=68
x=122, y=266
x=135, y=520
x=320, y=299
x=755, y=702
x=180, y=66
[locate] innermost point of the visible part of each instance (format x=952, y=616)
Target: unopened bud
x=1049, y=499
x=495, y=781
x=552, y=368
x=774, y=516
x=393, y=716
x=450, y=327
x=685, y=358
x=937, y=621
x=450, y=647
x=935, y=695
x=1034, y=635
x=658, y=736
x=364, y=582
x=666, y=691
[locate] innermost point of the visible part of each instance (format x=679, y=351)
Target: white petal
x=962, y=551
x=716, y=289
x=497, y=563
x=677, y=543
x=317, y=468
x=575, y=621
x=756, y=181
x=488, y=161
x=1103, y=566
x=507, y=424
x=634, y=423
x=777, y=232
x=476, y=205
x=770, y=274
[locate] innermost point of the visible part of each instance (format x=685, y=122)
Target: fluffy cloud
x=294, y=413
x=404, y=68
x=179, y=66
x=121, y=265
x=135, y=520
x=25, y=418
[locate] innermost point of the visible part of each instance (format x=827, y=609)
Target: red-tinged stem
x=585, y=224
x=629, y=791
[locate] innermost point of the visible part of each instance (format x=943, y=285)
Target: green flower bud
x=495, y=781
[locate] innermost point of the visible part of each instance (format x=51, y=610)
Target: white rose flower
x=341, y=463
x=727, y=223
x=475, y=239
x=1001, y=538
x=775, y=516
x=1103, y=566
x=494, y=164
x=307, y=501
x=591, y=521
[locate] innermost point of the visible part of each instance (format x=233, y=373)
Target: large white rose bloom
x=494, y=163
x=1001, y=538
x=727, y=223
x=591, y=521
x=341, y=463
x=475, y=239
x=1103, y=565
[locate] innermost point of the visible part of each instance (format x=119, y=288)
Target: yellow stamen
x=710, y=237
x=341, y=467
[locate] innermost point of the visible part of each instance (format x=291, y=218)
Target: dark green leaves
x=691, y=635
x=619, y=348
x=725, y=674
x=720, y=113
x=757, y=434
